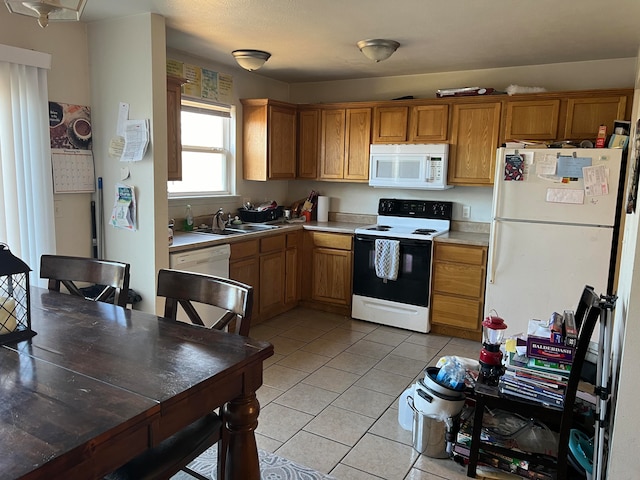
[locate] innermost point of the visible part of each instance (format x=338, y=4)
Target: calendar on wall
x=73, y=171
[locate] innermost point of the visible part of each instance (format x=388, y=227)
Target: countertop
x=467, y=238
x=185, y=241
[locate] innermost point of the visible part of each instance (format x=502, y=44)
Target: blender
x=491, y=368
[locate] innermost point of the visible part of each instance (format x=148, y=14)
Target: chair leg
x=223, y=445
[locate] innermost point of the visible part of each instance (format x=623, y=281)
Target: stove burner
x=380, y=228
x=424, y=231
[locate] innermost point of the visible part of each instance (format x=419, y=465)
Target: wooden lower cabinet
x=245, y=267
x=327, y=283
x=292, y=269
x=457, y=298
x=271, y=265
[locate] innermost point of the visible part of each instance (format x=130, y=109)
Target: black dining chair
x=587, y=314
x=178, y=451
x=111, y=277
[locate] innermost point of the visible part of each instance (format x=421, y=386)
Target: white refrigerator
x=551, y=231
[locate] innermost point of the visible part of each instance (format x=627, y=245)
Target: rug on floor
x=272, y=467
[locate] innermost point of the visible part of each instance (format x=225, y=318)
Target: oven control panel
x=415, y=208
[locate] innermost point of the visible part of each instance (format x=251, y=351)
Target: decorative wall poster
x=69, y=126
x=513, y=168
x=202, y=82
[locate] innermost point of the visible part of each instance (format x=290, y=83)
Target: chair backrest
x=587, y=315
x=182, y=288
x=111, y=277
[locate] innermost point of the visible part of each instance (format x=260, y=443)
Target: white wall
x=625, y=441
x=556, y=77
x=128, y=64
x=68, y=83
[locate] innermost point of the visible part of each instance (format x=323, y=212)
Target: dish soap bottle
x=188, y=220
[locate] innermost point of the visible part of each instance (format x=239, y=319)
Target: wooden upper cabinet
x=390, y=124
x=585, y=115
x=332, y=143
x=344, y=145
x=269, y=139
x=475, y=128
x=532, y=120
x=410, y=124
x=174, y=137
x=308, y=142
x=357, y=142
x=429, y=123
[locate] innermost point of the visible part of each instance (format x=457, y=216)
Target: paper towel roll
x=323, y=209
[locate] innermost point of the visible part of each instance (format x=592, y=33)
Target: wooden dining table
x=99, y=384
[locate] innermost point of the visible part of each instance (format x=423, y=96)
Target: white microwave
x=422, y=166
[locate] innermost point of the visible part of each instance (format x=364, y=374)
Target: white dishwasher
x=210, y=261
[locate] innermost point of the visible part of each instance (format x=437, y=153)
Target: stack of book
x=542, y=373
x=534, y=379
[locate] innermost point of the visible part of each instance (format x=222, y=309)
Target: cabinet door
x=357, y=142
x=331, y=276
x=390, y=124
x=247, y=271
x=532, y=120
x=308, y=143
x=282, y=142
x=272, y=278
x=474, y=139
x=585, y=115
x=332, y=143
x=429, y=123
x=292, y=291
x=174, y=141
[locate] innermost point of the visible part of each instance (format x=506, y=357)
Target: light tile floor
x=330, y=395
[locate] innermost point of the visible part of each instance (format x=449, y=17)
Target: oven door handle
x=403, y=241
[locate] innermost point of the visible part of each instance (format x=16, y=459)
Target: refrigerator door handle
x=493, y=235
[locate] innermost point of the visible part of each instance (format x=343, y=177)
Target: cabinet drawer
x=244, y=249
x=459, y=254
x=332, y=240
x=272, y=244
x=455, y=312
x=458, y=279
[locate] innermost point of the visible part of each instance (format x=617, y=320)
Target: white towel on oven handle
x=387, y=258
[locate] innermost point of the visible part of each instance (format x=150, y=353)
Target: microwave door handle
x=429, y=172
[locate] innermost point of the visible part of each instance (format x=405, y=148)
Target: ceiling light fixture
x=378, y=49
x=48, y=10
x=251, y=59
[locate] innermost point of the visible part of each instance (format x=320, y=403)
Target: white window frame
x=202, y=106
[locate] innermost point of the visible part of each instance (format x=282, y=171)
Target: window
x=207, y=159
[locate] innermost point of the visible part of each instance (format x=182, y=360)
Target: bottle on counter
x=171, y=224
x=188, y=220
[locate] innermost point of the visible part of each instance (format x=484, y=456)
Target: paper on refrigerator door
x=596, y=180
x=565, y=195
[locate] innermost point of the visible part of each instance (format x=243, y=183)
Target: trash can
x=429, y=436
x=434, y=406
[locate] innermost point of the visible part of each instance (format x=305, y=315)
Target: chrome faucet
x=218, y=220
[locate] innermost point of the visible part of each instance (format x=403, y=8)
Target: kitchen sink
x=211, y=231
x=251, y=227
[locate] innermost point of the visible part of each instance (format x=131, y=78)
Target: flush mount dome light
x=48, y=10
x=378, y=49
x=251, y=59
